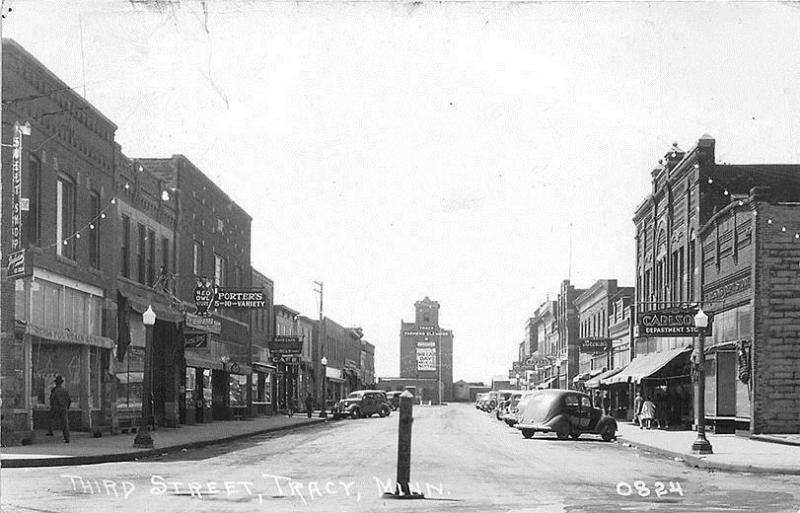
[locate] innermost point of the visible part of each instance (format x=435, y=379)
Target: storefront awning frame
x=645, y=366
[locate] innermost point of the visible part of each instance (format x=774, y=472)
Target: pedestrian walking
x=309, y=404
x=291, y=406
x=606, y=403
x=648, y=414
x=59, y=409
x=662, y=421
x=637, y=408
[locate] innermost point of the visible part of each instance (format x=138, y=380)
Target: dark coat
x=59, y=399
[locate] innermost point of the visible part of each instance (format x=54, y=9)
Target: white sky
x=397, y=150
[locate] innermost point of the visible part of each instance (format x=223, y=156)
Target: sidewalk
x=83, y=449
x=731, y=452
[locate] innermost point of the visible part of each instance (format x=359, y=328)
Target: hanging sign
x=285, y=344
x=669, y=322
x=594, y=345
x=238, y=298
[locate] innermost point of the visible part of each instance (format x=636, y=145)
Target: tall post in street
x=403, y=491
x=324, y=361
x=701, y=445
x=143, y=439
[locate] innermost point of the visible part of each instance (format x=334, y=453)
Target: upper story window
x=151, y=257
x=94, y=229
x=65, y=217
x=220, y=271
x=34, y=230
x=165, y=254
x=141, y=238
x=197, y=258
x=125, y=259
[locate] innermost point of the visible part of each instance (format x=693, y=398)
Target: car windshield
x=354, y=395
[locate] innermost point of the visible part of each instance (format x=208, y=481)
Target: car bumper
x=535, y=427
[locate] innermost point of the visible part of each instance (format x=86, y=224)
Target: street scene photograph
x=388, y=256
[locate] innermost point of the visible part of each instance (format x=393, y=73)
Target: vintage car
x=394, y=398
x=491, y=402
x=568, y=413
x=503, y=399
x=363, y=403
x=510, y=411
x=480, y=398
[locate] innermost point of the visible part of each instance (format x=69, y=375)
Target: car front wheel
x=355, y=414
x=562, y=433
x=384, y=412
x=527, y=433
x=608, y=433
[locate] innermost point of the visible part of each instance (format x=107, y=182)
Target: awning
x=335, y=380
x=546, y=383
x=263, y=367
x=163, y=309
x=68, y=337
x=644, y=366
x=597, y=380
x=586, y=375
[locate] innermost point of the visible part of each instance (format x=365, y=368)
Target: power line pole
x=321, y=334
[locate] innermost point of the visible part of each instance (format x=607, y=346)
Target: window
x=125, y=263
x=151, y=257
x=94, y=229
x=140, y=253
x=34, y=196
x=65, y=217
x=691, y=268
x=220, y=277
x=165, y=254
x=197, y=258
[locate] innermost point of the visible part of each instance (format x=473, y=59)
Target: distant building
x=426, y=350
x=466, y=391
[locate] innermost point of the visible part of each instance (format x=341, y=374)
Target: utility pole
x=321, y=333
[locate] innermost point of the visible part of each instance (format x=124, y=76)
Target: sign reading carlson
x=238, y=298
x=668, y=322
x=594, y=345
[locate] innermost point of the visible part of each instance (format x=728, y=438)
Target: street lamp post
x=143, y=439
x=324, y=363
x=701, y=445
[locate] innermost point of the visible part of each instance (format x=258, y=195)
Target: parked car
x=491, y=402
x=394, y=398
x=363, y=403
x=510, y=411
x=503, y=397
x=479, y=399
x=568, y=413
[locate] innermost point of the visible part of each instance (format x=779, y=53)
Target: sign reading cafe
x=668, y=322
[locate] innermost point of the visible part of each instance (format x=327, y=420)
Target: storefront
x=334, y=384
x=262, y=392
x=664, y=378
x=59, y=329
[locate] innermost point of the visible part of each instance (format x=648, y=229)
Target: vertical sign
x=16, y=189
x=426, y=356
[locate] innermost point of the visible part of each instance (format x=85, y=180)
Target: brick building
x=426, y=350
x=698, y=238
x=261, y=330
x=212, y=242
x=60, y=318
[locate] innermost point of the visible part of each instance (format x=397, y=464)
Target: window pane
x=125, y=252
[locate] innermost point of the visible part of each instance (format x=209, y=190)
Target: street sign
x=669, y=322
x=238, y=298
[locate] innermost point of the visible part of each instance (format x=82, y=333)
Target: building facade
x=426, y=349
x=59, y=314
x=697, y=241
x=262, y=380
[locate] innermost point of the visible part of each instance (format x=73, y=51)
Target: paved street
x=462, y=460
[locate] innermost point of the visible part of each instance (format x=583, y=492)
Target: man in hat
x=59, y=408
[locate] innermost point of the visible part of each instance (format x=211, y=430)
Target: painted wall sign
x=728, y=290
x=201, y=323
x=426, y=358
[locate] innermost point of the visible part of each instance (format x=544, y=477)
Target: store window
x=51, y=360
x=238, y=390
x=129, y=378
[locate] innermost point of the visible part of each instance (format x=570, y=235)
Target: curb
x=773, y=440
x=699, y=462
x=63, y=461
